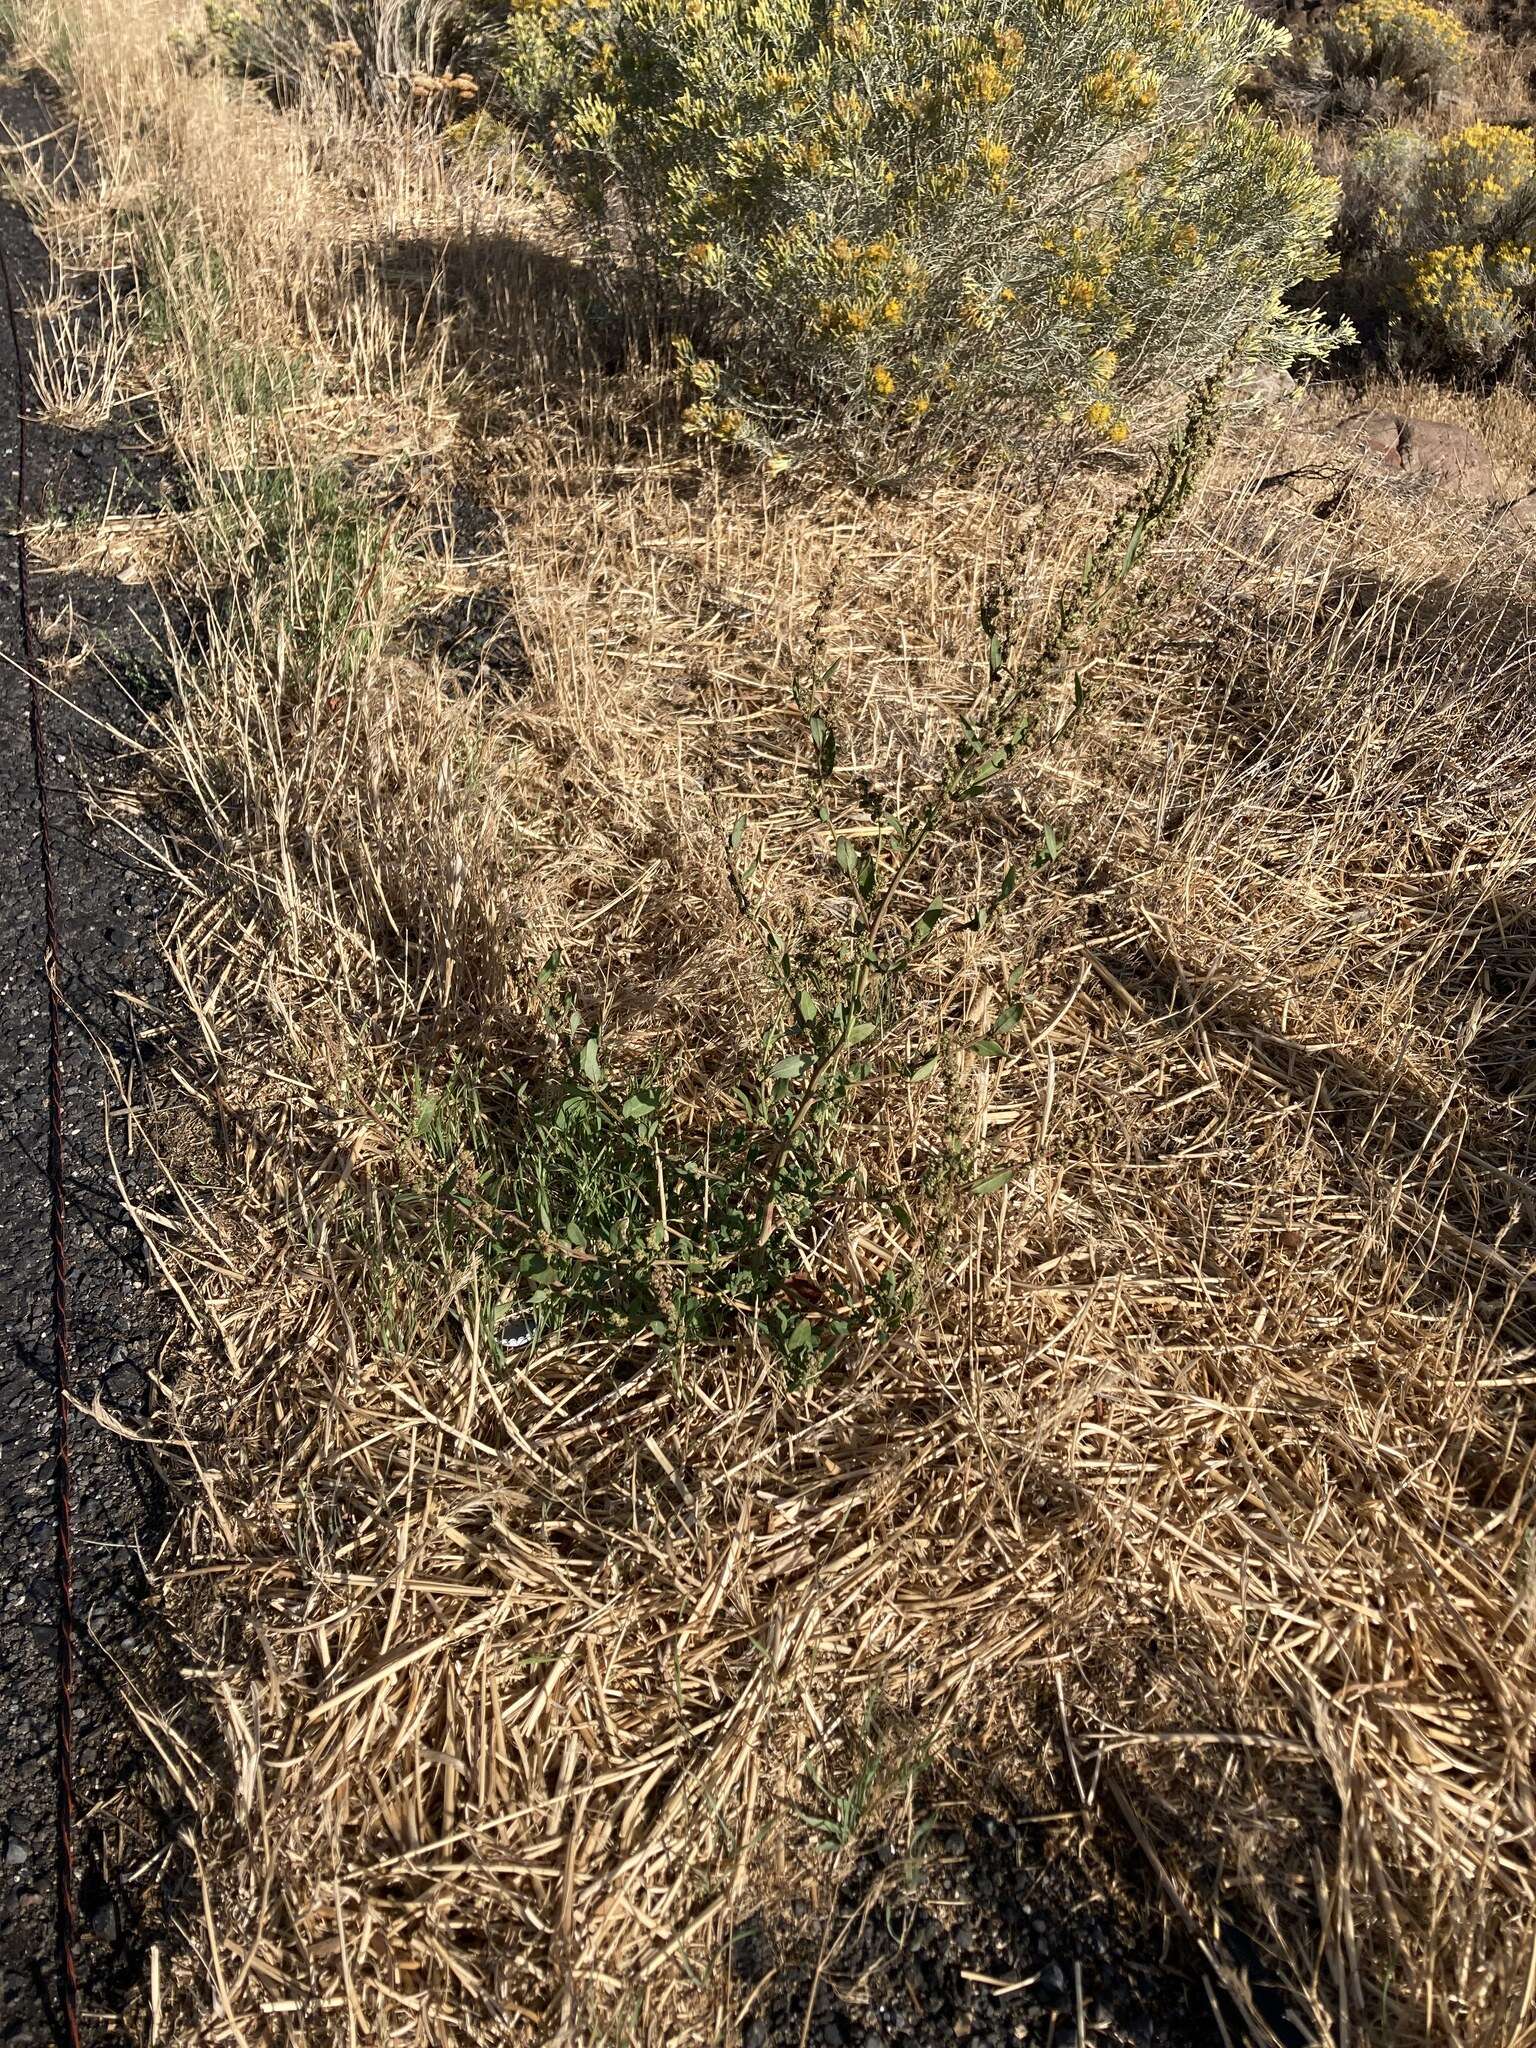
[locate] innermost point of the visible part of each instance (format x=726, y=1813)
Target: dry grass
x=1210, y=1441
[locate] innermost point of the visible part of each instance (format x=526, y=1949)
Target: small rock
x=1052, y=1980
x=16, y=1852
x=1520, y=512
x=1453, y=457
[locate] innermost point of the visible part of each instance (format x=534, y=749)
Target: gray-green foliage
x=925, y=226
x=1440, y=241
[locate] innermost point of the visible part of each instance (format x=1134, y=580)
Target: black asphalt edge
x=112, y=903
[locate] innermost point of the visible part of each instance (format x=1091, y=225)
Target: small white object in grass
x=518, y=1333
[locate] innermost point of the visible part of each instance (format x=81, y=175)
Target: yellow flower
x=891, y=312
x=1079, y=294
x=881, y=382
x=916, y=407
x=1122, y=86
x=839, y=316
x=987, y=83
x=1103, y=419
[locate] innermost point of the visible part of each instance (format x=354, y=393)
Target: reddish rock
x=1455, y=458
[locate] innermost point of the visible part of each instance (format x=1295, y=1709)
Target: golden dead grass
x=1210, y=1446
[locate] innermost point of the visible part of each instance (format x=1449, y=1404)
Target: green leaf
x=575, y=1236
x=801, y=1337
x=787, y=1068
x=927, y=1065
x=858, y=1033
x=1007, y=1020
x=808, y=1006
x=641, y=1104
x=847, y=856
x=995, y=659
x=591, y=1065
x=737, y=833
x=993, y=1182
x=987, y=1048
x=1135, y=545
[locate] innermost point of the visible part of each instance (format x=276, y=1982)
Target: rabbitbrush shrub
x=1441, y=236
x=1404, y=45
x=923, y=224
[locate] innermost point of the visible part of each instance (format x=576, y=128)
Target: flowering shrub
x=1404, y=44
x=922, y=223
x=1443, y=235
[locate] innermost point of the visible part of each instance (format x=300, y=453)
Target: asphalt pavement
x=97, y=656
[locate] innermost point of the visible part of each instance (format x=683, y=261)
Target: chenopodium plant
x=923, y=225
x=615, y=1205
x=1442, y=235
x=844, y=1023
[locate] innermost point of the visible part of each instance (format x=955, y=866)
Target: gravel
x=986, y=1942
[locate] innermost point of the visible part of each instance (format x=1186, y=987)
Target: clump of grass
x=380, y=45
